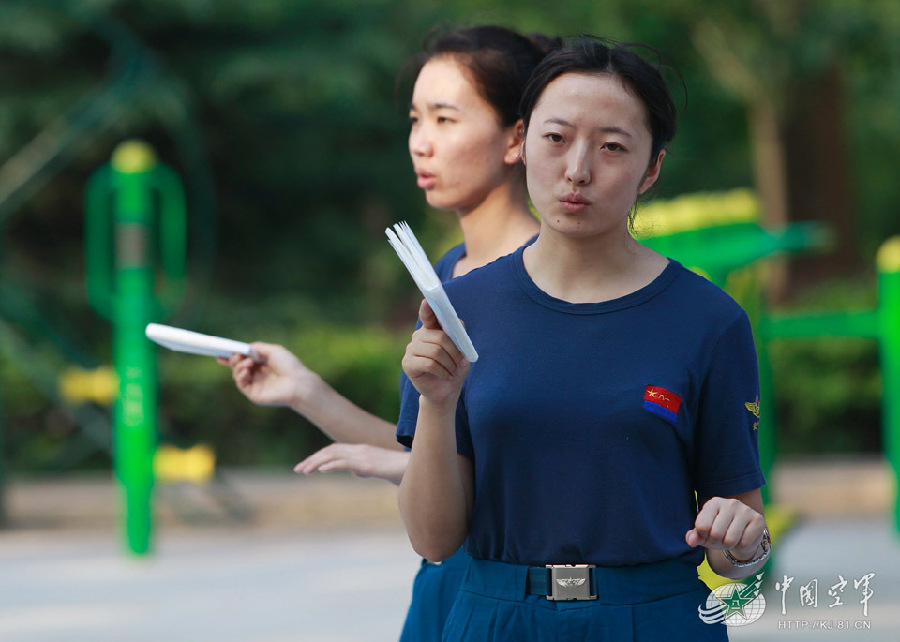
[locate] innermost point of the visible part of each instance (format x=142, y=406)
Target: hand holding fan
x=416, y=261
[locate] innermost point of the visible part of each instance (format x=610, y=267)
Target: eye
x=553, y=137
x=413, y=118
x=443, y=120
x=613, y=147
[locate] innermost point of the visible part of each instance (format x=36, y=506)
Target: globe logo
x=735, y=604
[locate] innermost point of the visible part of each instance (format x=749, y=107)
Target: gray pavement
x=326, y=559
x=224, y=585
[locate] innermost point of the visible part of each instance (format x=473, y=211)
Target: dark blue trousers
x=434, y=592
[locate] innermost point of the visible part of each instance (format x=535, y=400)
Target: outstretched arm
x=362, y=460
x=436, y=493
x=283, y=380
x=730, y=523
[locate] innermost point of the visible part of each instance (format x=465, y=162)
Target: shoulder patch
x=753, y=407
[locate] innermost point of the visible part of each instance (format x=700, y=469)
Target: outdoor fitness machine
x=881, y=324
x=135, y=238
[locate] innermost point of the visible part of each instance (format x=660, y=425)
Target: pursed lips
x=573, y=203
x=425, y=180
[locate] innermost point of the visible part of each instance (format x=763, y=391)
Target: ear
x=514, y=143
x=652, y=173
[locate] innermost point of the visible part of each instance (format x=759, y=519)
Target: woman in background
x=464, y=142
x=605, y=440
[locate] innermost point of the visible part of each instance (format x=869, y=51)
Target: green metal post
x=134, y=359
x=126, y=203
x=889, y=307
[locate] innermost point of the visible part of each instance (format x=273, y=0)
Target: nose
x=578, y=168
x=419, y=141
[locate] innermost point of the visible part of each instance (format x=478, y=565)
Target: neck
x=591, y=270
x=497, y=226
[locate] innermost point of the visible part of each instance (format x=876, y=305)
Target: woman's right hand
x=281, y=379
x=433, y=363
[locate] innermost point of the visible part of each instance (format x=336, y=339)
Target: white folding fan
x=416, y=261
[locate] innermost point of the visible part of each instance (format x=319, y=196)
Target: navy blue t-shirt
x=590, y=426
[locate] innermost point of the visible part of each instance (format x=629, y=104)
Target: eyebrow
x=436, y=106
x=611, y=129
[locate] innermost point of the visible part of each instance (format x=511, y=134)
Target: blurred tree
x=300, y=117
x=787, y=61
x=306, y=138
x=292, y=107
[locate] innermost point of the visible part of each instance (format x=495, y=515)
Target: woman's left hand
x=728, y=524
x=363, y=460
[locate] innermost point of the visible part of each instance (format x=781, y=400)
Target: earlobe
x=515, y=144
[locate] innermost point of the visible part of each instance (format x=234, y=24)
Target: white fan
x=416, y=261
x=195, y=343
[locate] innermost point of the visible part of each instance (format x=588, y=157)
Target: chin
x=573, y=227
x=443, y=204
x=435, y=201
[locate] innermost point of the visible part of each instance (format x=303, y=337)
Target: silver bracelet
x=765, y=544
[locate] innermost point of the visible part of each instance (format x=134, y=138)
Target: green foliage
x=284, y=119
x=828, y=390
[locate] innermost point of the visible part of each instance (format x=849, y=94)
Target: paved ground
x=226, y=586
x=274, y=557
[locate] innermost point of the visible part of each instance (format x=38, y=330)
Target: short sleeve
x=409, y=411
x=409, y=414
x=463, y=434
x=727, y=451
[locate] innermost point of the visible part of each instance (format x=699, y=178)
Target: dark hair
x=500, y=61
x=593, y=55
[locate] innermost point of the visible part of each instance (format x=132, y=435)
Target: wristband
x=765, y=544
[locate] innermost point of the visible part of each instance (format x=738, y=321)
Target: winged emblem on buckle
x=570, y=582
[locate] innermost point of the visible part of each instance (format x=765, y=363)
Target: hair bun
x=546, y=44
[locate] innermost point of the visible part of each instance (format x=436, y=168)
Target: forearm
x=341, y=419
x=392, y=467
x=433, y=494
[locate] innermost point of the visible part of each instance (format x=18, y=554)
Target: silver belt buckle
x=570, y=582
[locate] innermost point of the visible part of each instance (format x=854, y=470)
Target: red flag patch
x=662, y=402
